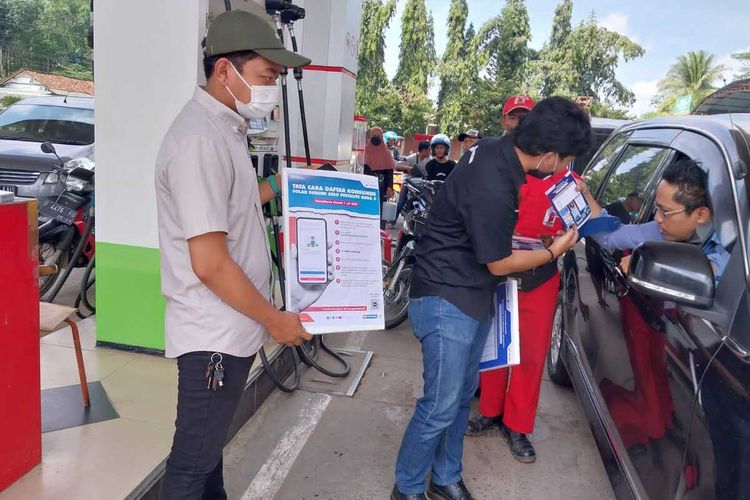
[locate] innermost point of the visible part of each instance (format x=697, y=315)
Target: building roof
x=734, y=98
x=54, y=83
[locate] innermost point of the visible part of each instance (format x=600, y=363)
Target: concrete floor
x=308, y=445
x=72, y=287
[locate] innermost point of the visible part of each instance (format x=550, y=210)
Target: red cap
x=518, y=102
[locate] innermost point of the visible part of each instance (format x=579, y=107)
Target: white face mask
x=557, y=157
x=263, y=98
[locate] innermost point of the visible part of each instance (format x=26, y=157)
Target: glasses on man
x=668, y=213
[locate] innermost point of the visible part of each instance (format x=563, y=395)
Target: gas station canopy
x=734, y=98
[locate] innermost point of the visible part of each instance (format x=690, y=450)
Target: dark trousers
x=194, y=467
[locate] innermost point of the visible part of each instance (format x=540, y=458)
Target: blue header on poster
x=333, y=193
x=503, y=326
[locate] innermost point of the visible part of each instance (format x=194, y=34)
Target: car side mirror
x=48, y=148
x=679, y=272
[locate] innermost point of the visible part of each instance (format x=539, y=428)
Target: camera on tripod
x=288, y=12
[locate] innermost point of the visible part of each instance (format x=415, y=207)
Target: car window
x=39, y=123
x=600, y=165
x=635, y=173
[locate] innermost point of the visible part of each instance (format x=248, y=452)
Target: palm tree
x=744, y=58
x=693, y=74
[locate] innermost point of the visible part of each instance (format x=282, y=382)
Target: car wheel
x=555, y=366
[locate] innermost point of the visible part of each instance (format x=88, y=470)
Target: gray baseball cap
x=238, y=30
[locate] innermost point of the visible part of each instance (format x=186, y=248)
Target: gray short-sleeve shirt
x=206, y=183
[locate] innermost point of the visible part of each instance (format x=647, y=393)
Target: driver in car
x=683, y=213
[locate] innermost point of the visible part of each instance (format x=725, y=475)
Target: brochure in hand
x=524, y=243
x=569, y=203
x=502, y=348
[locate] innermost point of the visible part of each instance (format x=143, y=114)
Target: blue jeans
x=452, y=345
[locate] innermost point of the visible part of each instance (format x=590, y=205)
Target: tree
x=452, y=108
x=582, y=61
x=46, y=35
x=596, y=53
x=544, y=80
x=744, y=58
x=16, y=18
x=503, y=54
x=416, y=58
x=506, y=39
x=8, y=100
x=372, y=82
x=692, y=75
x=561, y=26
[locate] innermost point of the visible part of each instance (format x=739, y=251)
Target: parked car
x=601, y=129
x=66, y=122
x=660, y=357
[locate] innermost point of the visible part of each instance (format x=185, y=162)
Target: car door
x=707, y=352
x=618, y=334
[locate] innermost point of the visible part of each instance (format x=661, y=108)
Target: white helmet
x=440, y=139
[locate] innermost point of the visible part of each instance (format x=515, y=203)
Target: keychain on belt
x=215, y=372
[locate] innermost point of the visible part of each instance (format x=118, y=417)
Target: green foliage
x=693, y=75
x=744, y=58
x=45, y=35
x=584, y=61
x=416, y=59
x=504, y=42
x=458, y=72
x=561, y=25
x=8, y=100
x=500, y=51
x=605, y=110
x=480, y=68
x=372, y=91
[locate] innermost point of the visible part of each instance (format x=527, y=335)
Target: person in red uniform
x=509, y=396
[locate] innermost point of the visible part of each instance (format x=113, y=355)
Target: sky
x=666, y=29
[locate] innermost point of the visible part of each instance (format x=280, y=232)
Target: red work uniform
x=514, y=392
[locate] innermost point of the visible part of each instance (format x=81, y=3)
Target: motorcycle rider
x=415, y=165
x=441, y=166
x=391, y=138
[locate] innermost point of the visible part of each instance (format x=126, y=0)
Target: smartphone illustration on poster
x=312, y=251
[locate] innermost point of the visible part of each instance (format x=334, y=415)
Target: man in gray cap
x=469, y=138
x=215, y=260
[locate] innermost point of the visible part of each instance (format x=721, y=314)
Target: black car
x=601, y=129
x=660, y=357
x=66, y=122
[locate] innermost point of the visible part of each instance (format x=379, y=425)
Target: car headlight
x=52, y=178
x=80, y=185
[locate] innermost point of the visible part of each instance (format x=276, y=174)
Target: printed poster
x=332, y=251
x=503, y=346
x=570, y=204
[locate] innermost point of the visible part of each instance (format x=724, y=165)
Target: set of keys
x=215, y=372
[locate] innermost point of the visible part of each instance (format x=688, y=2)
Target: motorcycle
x=397, y=274
x=66, y=224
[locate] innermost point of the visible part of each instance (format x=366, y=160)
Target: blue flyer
x=569, y=203
x=503, y=347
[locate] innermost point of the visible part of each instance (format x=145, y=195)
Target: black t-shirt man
x=465, y=230
x=439, y=171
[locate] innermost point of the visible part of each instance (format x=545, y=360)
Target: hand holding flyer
x=569, y=203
